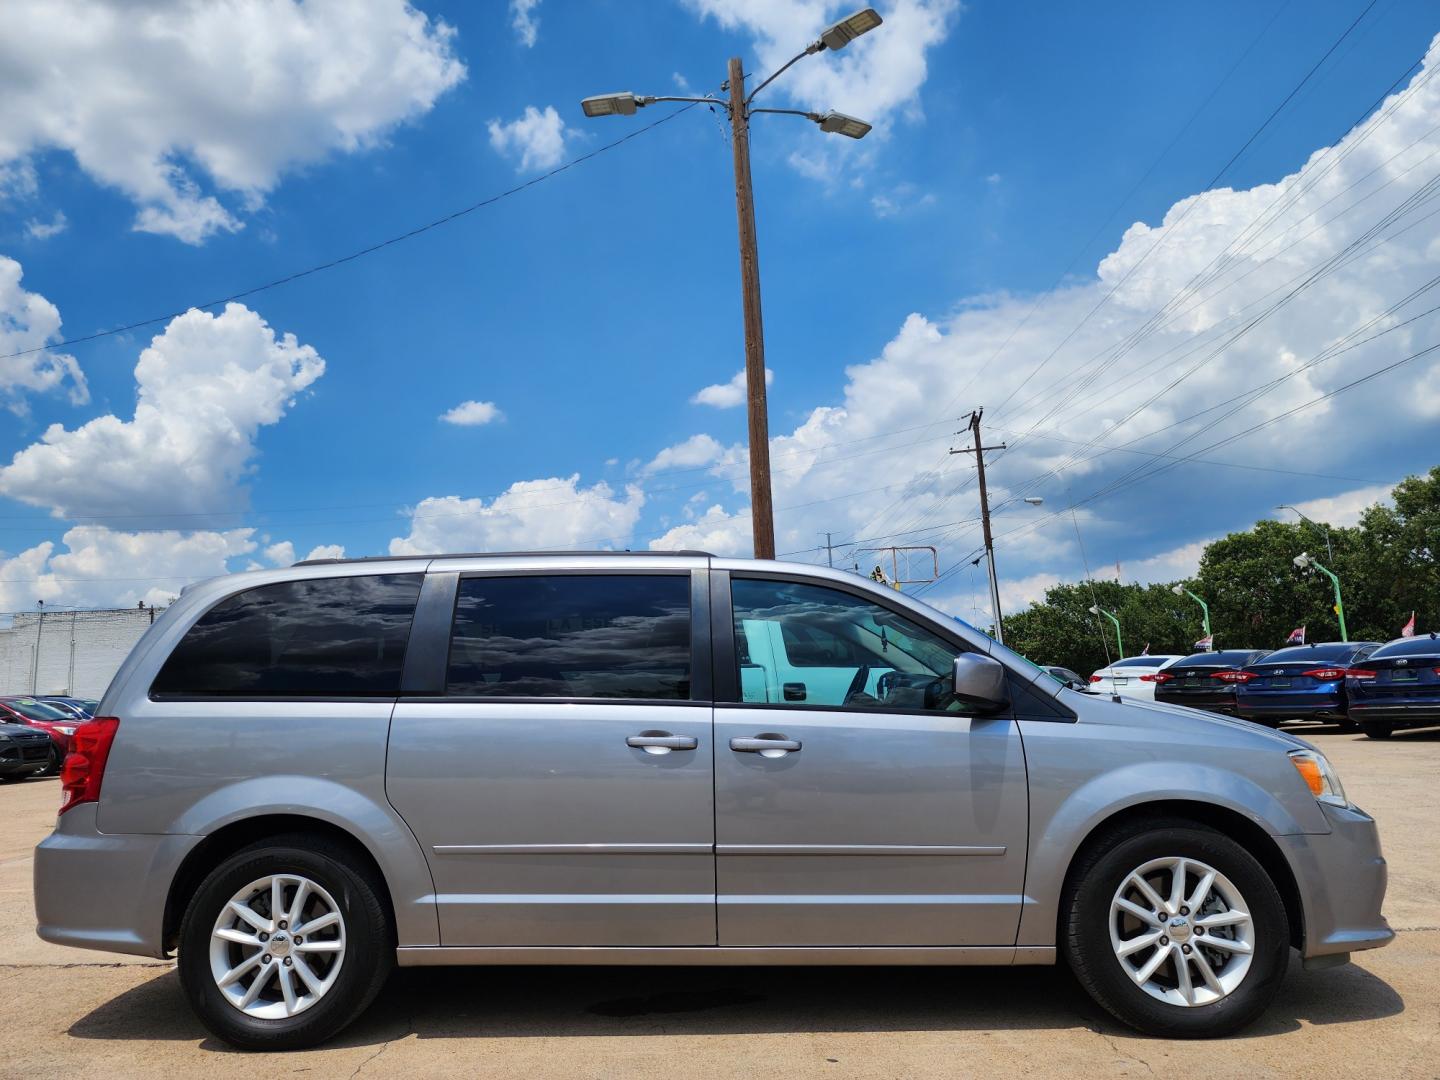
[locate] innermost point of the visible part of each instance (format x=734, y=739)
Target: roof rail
x=494, y=555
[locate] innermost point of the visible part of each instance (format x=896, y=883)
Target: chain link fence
x=67, y=652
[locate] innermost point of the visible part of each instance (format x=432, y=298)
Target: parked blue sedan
x=1304, y=682
x=1398, y=686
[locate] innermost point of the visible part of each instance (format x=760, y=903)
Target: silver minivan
x=303, y=777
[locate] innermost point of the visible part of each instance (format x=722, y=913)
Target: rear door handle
x=765, y=744
x=661, y=742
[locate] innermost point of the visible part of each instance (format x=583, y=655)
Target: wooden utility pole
x=979, y=451
x=762, y=521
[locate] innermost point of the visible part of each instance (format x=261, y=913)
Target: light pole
x=836, y=36
x=1304, y=562
x=1180, y=590
x=1119, y=641
x=1329, y=554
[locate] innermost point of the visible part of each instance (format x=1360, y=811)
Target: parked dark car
x=1303, y=682
x=55, y=722
x=80, y=708
x=1397, y=686
x=24, y=751
x=1205, y=680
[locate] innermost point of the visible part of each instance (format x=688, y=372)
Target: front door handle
x=661, y=742
x=766, y=744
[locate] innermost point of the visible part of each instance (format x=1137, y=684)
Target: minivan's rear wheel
x=1176, y=929
x=284, y=944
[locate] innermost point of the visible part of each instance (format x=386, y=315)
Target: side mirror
x=980, y=681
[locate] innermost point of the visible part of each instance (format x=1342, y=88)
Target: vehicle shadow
x=487, y=1003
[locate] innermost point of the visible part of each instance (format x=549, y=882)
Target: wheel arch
x=219, y=845
x=1245, y=832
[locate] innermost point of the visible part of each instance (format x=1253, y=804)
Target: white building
x=67, y=652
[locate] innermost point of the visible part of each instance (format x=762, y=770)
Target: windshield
x=1302, y=654
x=1409, y=647
x=37, y=710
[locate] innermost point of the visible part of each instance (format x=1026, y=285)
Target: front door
x=856, y=803
x=561, y=784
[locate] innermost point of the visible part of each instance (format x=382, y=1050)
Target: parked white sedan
x=1133, y=677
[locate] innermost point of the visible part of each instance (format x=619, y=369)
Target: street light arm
x=810, y=50
x=698, y=100
x=790, y=112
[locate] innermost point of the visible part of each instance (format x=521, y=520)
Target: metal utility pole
x=834, y=37
x=829, y=552
x=1329, y=551
x=762, y=520
x=979, y=451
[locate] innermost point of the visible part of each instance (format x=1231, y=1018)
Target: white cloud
x=205, y=386
x=530, y=514
x=100, y=567
x=281, y=554
x=28, y=321
x=194, y=111
x=327, y=551
x=694, y=451
x=727, y=395
x=1122, y=377
x=536, y=138
x=714, y=531
x=472, y=414
x=524, y=22
x=1342, y=509
x=875, y=77
x=900, y=199
x=44, y=230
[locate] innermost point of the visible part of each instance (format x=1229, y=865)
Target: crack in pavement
x=409, y=1030
x=1110, y=1041
x=158, y=965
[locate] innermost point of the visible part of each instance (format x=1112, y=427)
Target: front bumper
x=95, y=890
x=1341, y=876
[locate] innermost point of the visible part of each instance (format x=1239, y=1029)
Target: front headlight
x=65, y=729
x=1319, y=777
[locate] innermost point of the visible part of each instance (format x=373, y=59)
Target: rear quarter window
x=321, y=637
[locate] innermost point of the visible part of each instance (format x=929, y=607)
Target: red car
x=56, y=723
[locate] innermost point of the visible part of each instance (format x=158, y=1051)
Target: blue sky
x=1013, y=150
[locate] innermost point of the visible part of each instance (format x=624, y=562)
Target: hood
x=12, y=730
x=1262, y=736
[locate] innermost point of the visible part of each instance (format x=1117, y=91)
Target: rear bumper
x=1322, y=708
x=1221, y=703
x=136, y=870
x=1341, y=877
x=1397, y=713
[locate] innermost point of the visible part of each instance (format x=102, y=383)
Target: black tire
x=52, y=767
x=1377, y=729
x=1085, y=921
x=369, y=942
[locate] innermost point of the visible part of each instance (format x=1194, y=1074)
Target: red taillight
x=84, y=766
x=1355, y=673
x=1233, y=676
x=1326, y=673
x=1158, y=677
x=1094, y=678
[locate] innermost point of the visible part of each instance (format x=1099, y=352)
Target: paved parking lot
x=72, y=1013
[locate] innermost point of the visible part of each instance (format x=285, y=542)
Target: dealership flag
x=1205, y=644
x=1145, y=651
x=1408, y=630
x=1297, y=636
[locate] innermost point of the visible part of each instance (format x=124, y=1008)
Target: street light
x=1119, y=642
x=1305, y=562
x=1034, y=500
x=834, y=37
x=1329, y=554
x=1180, y=590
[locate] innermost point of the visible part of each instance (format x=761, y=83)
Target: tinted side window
x=324, y=637
x=572, y=636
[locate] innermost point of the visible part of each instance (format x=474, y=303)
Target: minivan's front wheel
x=284, y=944
x=1176, y=929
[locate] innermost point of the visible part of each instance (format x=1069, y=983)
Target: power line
x=362, y=252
